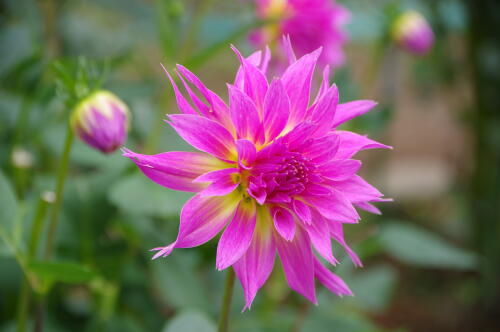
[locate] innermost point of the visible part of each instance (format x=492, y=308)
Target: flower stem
x=61, y=179
x=226, y=301
x=36, y=230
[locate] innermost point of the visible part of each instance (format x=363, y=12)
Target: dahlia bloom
x=413, y=33
x=273, y=173
x=101, y=121
x=309, y=23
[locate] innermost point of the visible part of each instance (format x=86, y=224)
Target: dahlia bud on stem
x=413, y=33
x=101, y=121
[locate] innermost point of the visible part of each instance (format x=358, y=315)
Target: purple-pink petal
x=244, y=115
x=330, y=280
x=205, y=135
x=237, y=237
x=297, y=259
x=283, y=222
x=297, y=82
x=352, y=109
x=276, y=110
x=175, y=170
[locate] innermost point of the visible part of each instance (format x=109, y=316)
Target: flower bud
x=413, y=33
x=101, y=121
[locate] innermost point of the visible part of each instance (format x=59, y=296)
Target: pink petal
x=176, y=170
x=265, y=60
x=182, y=103
x=244, y=115
x=223, y=182
x=297, y=82
x=340, y=169
x=255, y=266
x=287, y=46
x=297, y=259
x=319, y=233
x=276, y=110
x=351, y=143
x=325, y=83
x=323, y=112
x=335, y=207
x=218, y=109
x=352, y=109
x=255, y=85
x=254, y=59
x=246, y=153
x=201, y=219
x=323, y=149
x=302, y=210
x=298, y=137
x=356, y=190
x=331, y=281
x=283, y=222
x=236, y=239
x=205, y=135
x=368, y=207
x=338, y=235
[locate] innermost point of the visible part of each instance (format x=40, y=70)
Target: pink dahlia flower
x=309, y=23
x=273, y=173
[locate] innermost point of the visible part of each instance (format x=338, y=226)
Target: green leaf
x=179, y=283
x=138, y=195
x=190, y=321
x=416, y=246
x=9, y=209
x=67, y=272
x=373, y=287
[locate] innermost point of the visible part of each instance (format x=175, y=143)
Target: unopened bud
x=413, y=33
x=101, y=121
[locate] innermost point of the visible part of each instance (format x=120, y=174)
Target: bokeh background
x=432, y=260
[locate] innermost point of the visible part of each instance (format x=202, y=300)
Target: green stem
x=226, y=301
x=61, y=179
x=36, y=230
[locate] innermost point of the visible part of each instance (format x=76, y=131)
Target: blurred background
x=432, y=260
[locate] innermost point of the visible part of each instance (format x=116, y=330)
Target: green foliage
x=416, y=246
x=137, y=195
x=190, y=321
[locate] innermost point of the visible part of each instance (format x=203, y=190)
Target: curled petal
x=302, y=210
x=323, y=149
x=255, y=266
x=283, y=222
x=246, y=153
x=205, y=135
x=236, y=239
x=297, y=259
x=176, y=170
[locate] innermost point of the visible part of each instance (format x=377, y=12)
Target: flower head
x=273, y=172
x=413, y=33
x=309, y=23
x=101, y=121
